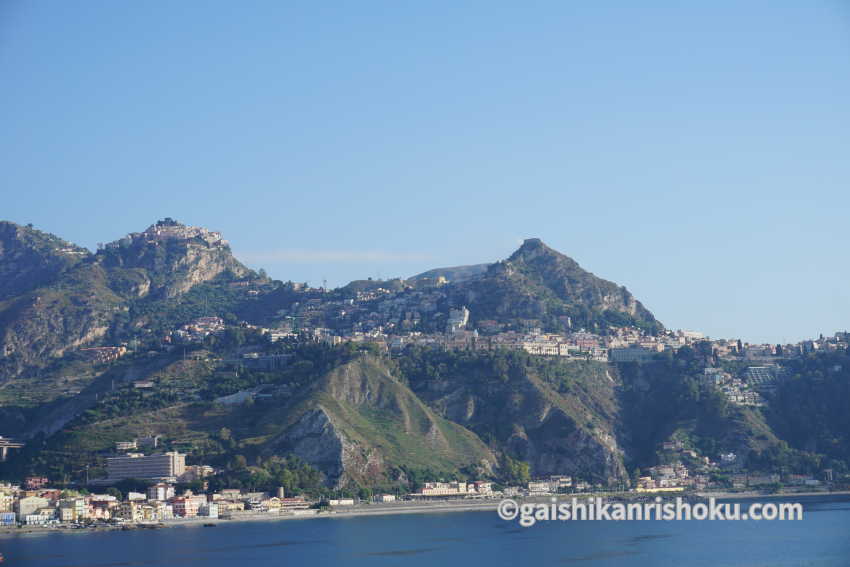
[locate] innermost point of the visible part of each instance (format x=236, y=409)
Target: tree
x=238, y=463
x=516, y=472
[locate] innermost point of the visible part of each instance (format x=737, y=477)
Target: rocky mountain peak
x=535, y=249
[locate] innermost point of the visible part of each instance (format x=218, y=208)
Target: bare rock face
x=170, y=258
x=524, y=416
x=314, y=439
x=358, y=423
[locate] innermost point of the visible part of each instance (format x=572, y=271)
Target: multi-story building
x=444, y=489
x=132, y=511
x=29, y=505
x=458, y=318
x=539, y=487
x=196, y=472
x=7, y=501
x=151, y=467
x=631, y=354
x=161, y=492
x=208, y=509
x=125, y=445
x=187, y=506
x=74, y=509
x=35, y=482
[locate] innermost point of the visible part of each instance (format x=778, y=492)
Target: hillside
x=558, y=416
x=810, y=406
x=453, y=274
x=30, y=258
x=539, y=286
x=664, y=399
x=358, y=423
x=73, y=303
x=355, y=422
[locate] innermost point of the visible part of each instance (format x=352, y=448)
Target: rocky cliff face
x=557, y=429
x=359, y=422
x=169, y=258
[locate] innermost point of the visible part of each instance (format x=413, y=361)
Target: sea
x=821, y=539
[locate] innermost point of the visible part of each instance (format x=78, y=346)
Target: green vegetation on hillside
x=666, y=396
x=810, y=407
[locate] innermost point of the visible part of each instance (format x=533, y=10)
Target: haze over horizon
x=695, y=154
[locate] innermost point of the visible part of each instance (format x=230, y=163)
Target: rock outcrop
x=557, y=430
x=358, y=423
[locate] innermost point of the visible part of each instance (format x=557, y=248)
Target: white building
x=152, y=467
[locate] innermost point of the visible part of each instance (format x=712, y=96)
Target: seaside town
x=369, y=284
x=37, y=504
x=391, y=316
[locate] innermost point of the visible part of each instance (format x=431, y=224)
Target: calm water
x=473, y=538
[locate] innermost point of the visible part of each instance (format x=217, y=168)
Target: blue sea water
x=822, y=539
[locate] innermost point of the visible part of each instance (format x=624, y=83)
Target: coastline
x=354, y=511
x=398, y=508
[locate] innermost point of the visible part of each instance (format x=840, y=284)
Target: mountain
x=65, y=298
x=303, y=410
x=169, y=258
x=538, y=286
x=30, y=258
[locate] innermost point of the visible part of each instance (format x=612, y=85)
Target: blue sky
x=696, y=152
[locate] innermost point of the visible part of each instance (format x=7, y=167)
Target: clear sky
x=696, y=152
